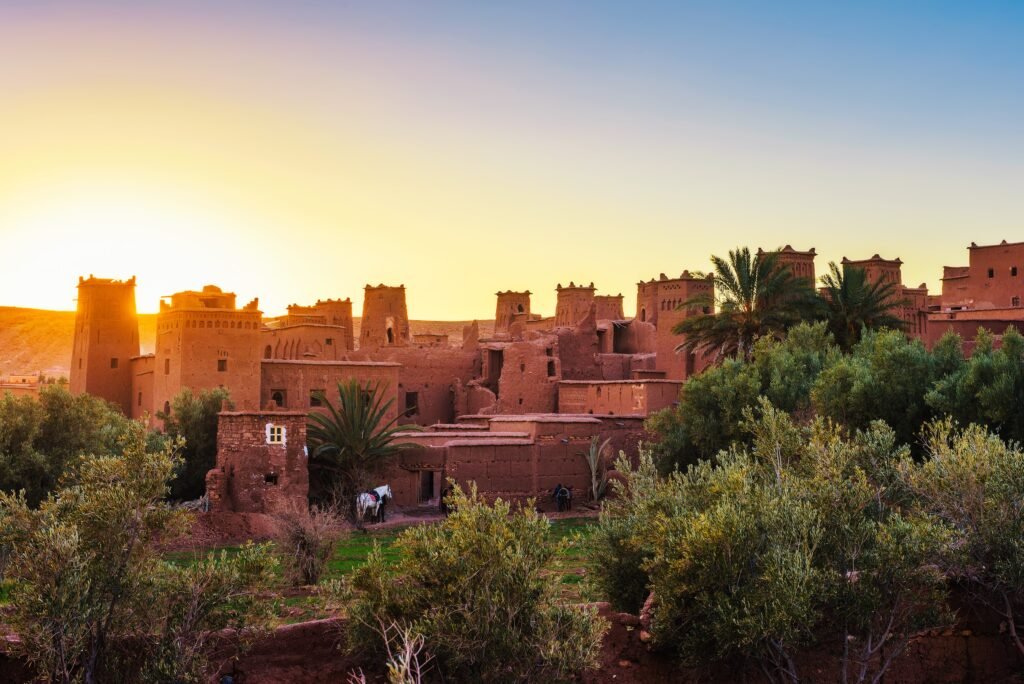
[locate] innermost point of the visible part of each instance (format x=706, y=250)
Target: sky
x=300, y=150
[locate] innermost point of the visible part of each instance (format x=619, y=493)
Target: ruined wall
x=427, y=380
x=261, y=462
x=385, y=321
x=578, y=350
x=142, y=369
x=528, y=382
x=293, y=385
x=617, y=398
x=106, y=338
x=304, y=341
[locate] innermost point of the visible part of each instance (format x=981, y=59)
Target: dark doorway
x=426, y=485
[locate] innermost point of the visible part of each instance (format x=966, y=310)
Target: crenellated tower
x=106, y=338
x=385, y=318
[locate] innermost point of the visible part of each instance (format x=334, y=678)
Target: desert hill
x=34, y=340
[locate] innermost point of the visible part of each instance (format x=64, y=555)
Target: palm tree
x=852, y=304
x=755, y=295
x=353, y=440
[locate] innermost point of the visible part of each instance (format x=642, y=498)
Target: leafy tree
x=92, y=601
x=852, y=304
x=353, y=441
x=709, y=417
x=988, y=388
x=40, y=440
x=474, y=589
x=885, y=377
x=755, y=296
x=974, y=481
x=193, y=419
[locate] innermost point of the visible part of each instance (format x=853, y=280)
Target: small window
x=270, y=478
x=643, y=315
x=551, y=369
x=391, y=336
x=278, y=397
x=275, y=434
x=316, y=397
x=113, y=363
x=79, y=363
x=167, y=366
x=1015, y=301
x=991, y=273
x=167, y=408
x=222, y=365
x=267, y=352
x=1013, y=270
x=412, y=403
x=519, y=308
x=140, y=398
x=329, y=341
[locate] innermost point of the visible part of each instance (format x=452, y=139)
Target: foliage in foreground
x=92, y=601
x=474, y=588
x=800, y=540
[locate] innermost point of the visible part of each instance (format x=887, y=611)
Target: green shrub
x=92, y=601
x=475, y=590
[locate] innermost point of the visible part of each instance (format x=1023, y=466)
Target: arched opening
x=267, y=352
x=391, y=336
x=643, y=315
x=519, y=308
x=277, y=396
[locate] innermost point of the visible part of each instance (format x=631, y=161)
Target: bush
x=92, y=601
x=801, y=539
x=306, y=538
x=974, y=482
x=474, y=588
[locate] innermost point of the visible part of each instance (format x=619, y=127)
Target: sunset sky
x=299, y=150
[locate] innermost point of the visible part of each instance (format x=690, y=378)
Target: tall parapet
x=876, y=269
x=106, y=338
x=512, y=306
x=574, y=304
x=609, y=307
x=385, y=318
x=800, y=264
x=204, y=341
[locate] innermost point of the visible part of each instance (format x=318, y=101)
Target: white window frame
x=271, y=433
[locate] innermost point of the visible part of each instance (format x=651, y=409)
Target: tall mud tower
x=573, y=304
x=512, y=307
x=106, y=338
x=385, y=319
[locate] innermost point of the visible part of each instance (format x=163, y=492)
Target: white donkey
x=373, y=503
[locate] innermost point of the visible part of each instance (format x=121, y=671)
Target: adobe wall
x=253, y=473
x=142, y=368
x=106, y=338
x=338, y=312
x=800, y=264
x=294, y=382
x=577, y=350
x=385, y=321
x=995, y=277
x=528, y=382
x=617, y=397
x=304, y=341
x=432, y=373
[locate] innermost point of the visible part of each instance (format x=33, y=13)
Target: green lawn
x=569, y=566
